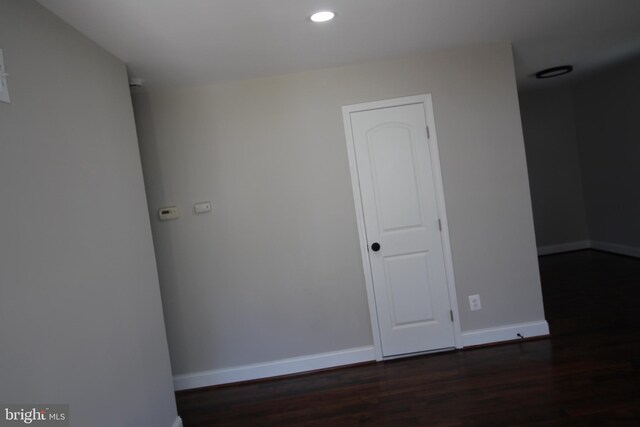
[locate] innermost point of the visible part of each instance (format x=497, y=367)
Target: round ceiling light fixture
x=554, y=72
x=323, y=16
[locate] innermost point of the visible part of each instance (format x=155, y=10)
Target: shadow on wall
x=152, y=173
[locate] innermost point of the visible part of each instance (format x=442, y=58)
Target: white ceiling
x=171, y=42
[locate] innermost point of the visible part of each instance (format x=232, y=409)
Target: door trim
x=446, y=244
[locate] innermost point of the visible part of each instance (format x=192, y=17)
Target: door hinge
x=451, y=313
x=439, y=224
x=428, y=133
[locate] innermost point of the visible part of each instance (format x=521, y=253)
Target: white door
x=402, y=223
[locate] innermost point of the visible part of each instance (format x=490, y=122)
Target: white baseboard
x=275, y=368
x=177, y=422
x=339, y=358
x=564, y=247
x=616, y=249
x=590, y=244
x=505, y=333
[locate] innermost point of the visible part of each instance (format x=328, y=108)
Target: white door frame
x=364, y=250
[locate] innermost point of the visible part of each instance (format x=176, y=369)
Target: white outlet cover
x=4, y=86
x=474, y=302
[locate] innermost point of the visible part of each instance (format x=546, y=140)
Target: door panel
x=410, y=298
x=394, y=177
x=397, y=187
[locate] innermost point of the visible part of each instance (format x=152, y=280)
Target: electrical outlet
x=474, y=302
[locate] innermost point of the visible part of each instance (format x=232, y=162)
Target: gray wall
x=582, y=154
x=548, y=123
x=275, y=271
x=607, y=112
x=80, y=311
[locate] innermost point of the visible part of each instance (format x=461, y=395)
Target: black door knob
x=375, y=247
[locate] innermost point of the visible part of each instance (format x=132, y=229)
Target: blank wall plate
x=4, y=87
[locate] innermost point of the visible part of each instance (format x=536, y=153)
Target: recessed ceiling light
x=554, y=72
x=322, y=16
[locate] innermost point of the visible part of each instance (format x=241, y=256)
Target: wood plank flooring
x=587, y=374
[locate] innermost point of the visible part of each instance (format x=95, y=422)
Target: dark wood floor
x=587, y=374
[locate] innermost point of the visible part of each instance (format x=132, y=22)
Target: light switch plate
x=4, y=87
x=202, y=207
